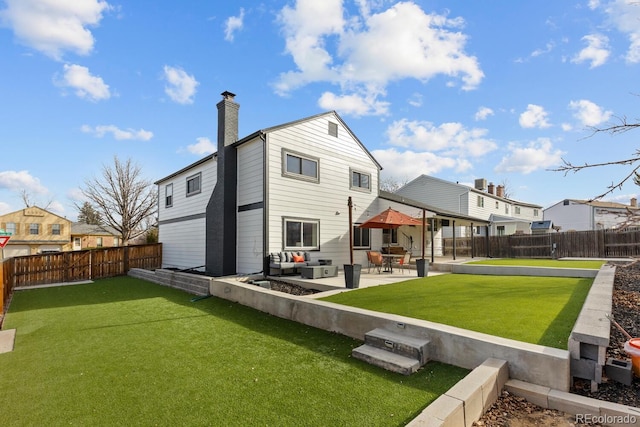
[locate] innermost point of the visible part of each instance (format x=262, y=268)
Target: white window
x=535, y=212
x=517, y=209
x=501, y=230
x=301, y=234
x=34, y=228
x=10, y=228
x=99, y=242
x=480, y=202
x=301, y=167
x=193, y=184
x=55, y=229
x=506, y=209
x=361, y=238
x=168, y=195
x=360, y=180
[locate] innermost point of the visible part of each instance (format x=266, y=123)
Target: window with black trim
x=56, y=229
x=360, y=180
x=361, y=238
x=168, y=195
x=34, y=228
x=301, y=234
x=390, y=236
x=300, y=166
x=333, y=129
x=194, y=184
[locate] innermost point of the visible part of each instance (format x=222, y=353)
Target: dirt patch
x=290, y=288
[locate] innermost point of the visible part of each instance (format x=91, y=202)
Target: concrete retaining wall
x=507, y=270
x=191, y=283
x=527, y=362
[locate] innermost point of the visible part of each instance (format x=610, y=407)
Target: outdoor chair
x=404, y=261
x=375, y=260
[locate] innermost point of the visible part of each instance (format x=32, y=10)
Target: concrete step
x=403, y=345
x=385, y=359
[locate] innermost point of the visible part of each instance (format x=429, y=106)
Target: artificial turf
x=539, y=310
x=539, y=262
x=124, y=351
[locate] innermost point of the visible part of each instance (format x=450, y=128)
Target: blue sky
x=501, y=90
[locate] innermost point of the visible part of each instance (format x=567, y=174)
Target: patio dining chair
x=404, y=261
x=375, y=260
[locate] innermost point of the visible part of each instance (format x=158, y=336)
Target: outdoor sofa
x=281, y=262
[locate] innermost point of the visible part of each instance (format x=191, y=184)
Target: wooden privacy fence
x=75, y=266
x=581, y=244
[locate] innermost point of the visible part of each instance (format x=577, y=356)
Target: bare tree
x=28, y=201
x=391, y=184
x=507, y=192
x=123, y=198
x=622, y=126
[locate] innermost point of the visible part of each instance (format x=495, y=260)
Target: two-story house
x=283, y=188
x=486, y=202
x=582, y=215
x=34, y=231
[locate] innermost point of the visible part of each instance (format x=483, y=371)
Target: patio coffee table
x=318, y=271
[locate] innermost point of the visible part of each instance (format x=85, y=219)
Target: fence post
x=126, y=259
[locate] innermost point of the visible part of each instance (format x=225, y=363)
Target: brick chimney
x=491, y=188
x=634, y=202
x=220, y=254
x=500, y=191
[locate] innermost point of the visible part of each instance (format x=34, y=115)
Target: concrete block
x=469, y=391
x=574, y=348
x=7, y=340
x=573, y=403
x=619, y=370
x=538, y=395
x=619, y=415
x=425, y=421
x=584, y=368
x=502, y=368
x=448, y=409
x=588, y=351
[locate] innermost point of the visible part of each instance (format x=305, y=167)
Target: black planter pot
x=422, y=265
x=352, y=275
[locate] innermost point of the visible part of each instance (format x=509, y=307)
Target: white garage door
x=15, y=250
x=43, y=249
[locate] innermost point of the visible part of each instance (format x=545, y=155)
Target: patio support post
x=350, y=204
x=473, y=247
x=454, y=239
x=424, y=227
x=433, y=253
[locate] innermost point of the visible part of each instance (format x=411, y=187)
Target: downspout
x=265, y=206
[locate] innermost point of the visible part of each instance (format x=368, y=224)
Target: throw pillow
x=298, y=258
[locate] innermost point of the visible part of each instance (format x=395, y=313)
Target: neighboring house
x=284, y=188
x=88, y=236
x=35, y=231
x=505, y=216
x=581, y=215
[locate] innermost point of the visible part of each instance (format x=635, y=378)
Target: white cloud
x=451, y=139
x=596, y=52
x=415, y=100
x=483, y=113
x=117, y=133
x=181, y=87
x=5, y=208
x=409, y=164
x=202, y=147
x=53, y=27
x=538, y=154
x=355, y=105
x=534, y=117
x=625, y=16
x=365, y=53
x=85, y=85
x=547, y=49
x=589, y=113
x=21, y=180
x=233, y=24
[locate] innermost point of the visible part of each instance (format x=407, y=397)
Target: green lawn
x=539, y=310
x=529, y=262
x=127, y=352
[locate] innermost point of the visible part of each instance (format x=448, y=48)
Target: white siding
x=249, y=256
x=250, y=248
x=574, y=216
x=326, y=200
x=182, y=226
